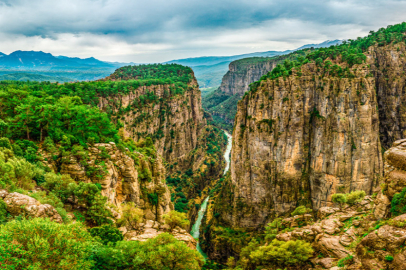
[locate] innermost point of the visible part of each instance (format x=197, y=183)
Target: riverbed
x=195, y=232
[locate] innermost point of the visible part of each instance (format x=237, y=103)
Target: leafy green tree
x=42, y=244
x=163, y=252
x=281, y=253
x=174, y=218
x=107, y=234
x=355, y=197
x=339, y=198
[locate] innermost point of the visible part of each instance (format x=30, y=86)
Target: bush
x=398, y=204
x=345, y=261
x=281, y=253
x=107, y=234
x=131, y=216
x=42, y=244
x=163, y=252
x=339, y=198
x=388, y=258
x=355, y=197
x=175, y=218
x=350, y=198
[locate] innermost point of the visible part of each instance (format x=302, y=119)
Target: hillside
x=308, y=130
x=79, y=154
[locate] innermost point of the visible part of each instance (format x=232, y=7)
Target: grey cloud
x=178, y=23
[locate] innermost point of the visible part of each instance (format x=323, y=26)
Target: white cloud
x=161, y=30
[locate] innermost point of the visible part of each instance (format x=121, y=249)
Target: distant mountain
x=41, y=66
x=27, y=60
x=209, y=70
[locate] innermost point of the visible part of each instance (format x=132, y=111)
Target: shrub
x=345, y=261
x=42, y=244
x=350, y=198
x=3, y=211
x=131, y=216
x=339, y=198
x=389, y=258
x=163, y=252
x=355, y=197
x=398, y=204
x=107, y=234
x=281, y=253
x=174, y=218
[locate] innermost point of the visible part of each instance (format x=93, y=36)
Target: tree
x=355, y=197
x=174, y=218
x=163, y=252
x=42, y=244
x=131, y=216
x=107, y=234
x=340, y=199
x=281, y=253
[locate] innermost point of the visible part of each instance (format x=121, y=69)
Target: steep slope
x=167, y=108
x=314, y=128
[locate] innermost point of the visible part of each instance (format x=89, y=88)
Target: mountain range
x=209, y=70
x=38, y=65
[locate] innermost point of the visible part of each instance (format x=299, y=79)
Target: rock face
x=304, y=138
x=244, y=72
x=20, y=204
x=123, y=178
x=174, y=121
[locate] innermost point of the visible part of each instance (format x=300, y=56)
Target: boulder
x=20, y=204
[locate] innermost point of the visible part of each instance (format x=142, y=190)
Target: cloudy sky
x=162, y=30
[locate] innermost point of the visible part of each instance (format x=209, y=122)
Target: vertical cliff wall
x=302, y=138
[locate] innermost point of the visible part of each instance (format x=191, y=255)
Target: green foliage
x=153, y=198
x=398, y=204
x=349, y=198
x=345, y=261
x=301, y=210
x=3, y=212
x=339, y=198
x=163, y=252
x=16, y=172
x=174, y=218
x=131, y=216
x=389, y=258
x=281, y=253
x=107, y=234
x=355, y=197
x=42, y=244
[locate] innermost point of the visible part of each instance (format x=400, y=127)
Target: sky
x=161, y=30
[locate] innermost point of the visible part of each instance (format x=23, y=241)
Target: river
x=195, y=232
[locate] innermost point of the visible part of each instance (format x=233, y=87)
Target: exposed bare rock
x=148, y=232
x=121, y=181
x=20, y=204
x=386, y=241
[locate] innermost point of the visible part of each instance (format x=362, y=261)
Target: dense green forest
x=64, y=120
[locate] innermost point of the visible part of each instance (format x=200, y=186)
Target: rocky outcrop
x=20, y=204
x=307, y=136
x=173, y=121
x=122, y=178
x=246, y=71
x=151, y=229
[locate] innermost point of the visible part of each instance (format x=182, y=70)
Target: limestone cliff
x=301, y=138
x=174, y=121
x=222, y=103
